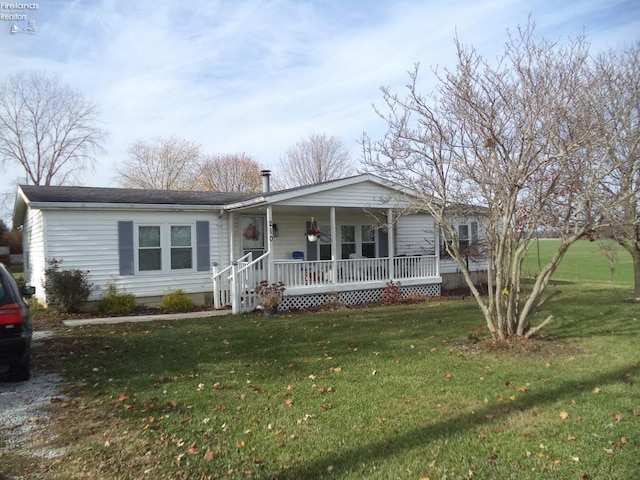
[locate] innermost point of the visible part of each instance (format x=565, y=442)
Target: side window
x=368, y=241
x=4, y=295
x=149, y=249
x=181, y=248
x=347, y=240
x=325, y=242
x=463, y=237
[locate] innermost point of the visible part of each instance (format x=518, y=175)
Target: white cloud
x=256, y=76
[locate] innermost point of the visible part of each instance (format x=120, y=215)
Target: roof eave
x=121, y=206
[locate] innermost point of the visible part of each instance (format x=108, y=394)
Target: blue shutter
x=202, y=246
x=125, y=247
x=383, y=242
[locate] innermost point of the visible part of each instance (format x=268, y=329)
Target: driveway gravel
x=24, y=420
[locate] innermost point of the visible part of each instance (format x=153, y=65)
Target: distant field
x=584, y=263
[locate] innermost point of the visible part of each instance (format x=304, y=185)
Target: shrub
x=392, y=293
x=68, y=288
x=177, y=301
x=116, y=303
x=270, y=294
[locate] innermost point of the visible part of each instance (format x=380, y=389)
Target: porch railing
x=358, y=270
x=235, y=284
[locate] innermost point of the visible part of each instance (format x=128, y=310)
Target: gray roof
x=61, y=194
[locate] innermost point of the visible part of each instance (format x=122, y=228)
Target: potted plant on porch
x=270, y=295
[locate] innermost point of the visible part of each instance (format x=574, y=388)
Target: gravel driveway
x=24, y=420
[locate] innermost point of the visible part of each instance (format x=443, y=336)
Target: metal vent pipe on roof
x=266, y=186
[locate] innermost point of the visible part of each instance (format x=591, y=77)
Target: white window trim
x=165, y=248
x=358, y=237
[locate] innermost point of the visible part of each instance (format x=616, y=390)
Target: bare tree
x=169, y=163
x=314, y=159
x=229, y=173
x=47, y=128
x=518, y=136
x=619, y=97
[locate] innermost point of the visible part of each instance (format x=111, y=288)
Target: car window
x=7, y=290
x=4, y=294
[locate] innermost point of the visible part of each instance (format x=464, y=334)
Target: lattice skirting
x=353, y=297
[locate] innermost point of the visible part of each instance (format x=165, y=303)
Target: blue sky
x=256, y=76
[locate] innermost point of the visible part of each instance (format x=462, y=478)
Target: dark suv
x=15, y=328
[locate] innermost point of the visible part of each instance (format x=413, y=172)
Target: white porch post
x=334, y=245
x=391, y=243
x=235, y=290
x=216, y=293
x=436, y=242
x=269, y=265
x=232, y=236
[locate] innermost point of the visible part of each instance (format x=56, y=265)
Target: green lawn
x=584, y=263
x=393, y=392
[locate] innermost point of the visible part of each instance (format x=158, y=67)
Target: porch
x=309, y=283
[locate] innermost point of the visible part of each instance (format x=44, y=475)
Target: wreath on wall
x=251, y=232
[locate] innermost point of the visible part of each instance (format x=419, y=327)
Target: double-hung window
x=149, y=248
x=467, y=235
x=161, y=245
x=181, y=247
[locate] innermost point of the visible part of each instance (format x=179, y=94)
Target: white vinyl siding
x=366, y=194
x=415, y=235
x=34, y=251
x=88, y=240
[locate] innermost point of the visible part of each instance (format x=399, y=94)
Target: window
x=149, y=249
x=463, y=237
x=325, y=242
x=467, y=235
x=368, y=241
x=253, y=233
x=153, y=248
x=348, y=240
x=181, y=249
x=358, y=240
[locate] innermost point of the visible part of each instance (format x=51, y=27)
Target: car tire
x=22, y=372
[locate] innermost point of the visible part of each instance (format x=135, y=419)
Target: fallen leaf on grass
x=575, y=459
x=571, y=438
x=326, y=406
x=208, y=456
x=564, y=415
x=447, y=376
x=287, y=403
x=523, y=388
x=608, y=452
x=596, y=390
x=193, y=450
